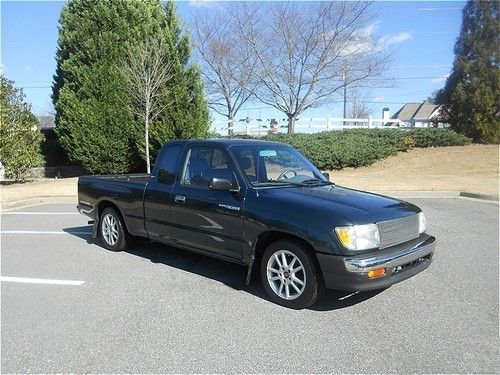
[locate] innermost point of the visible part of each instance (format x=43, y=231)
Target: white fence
x=303, y=125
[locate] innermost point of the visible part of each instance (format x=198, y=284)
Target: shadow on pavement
x=230, y=274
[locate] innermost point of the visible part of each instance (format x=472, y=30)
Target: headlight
x=422, y=223
x=359, y=237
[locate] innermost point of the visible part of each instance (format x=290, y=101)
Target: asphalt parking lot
x=156, y=309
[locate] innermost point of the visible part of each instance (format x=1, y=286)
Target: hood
x=358, y=207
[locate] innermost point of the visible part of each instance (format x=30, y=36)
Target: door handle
x=180, y=199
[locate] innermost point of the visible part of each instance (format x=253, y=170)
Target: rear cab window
x=167, y=165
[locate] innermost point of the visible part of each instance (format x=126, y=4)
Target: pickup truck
x=263, y=205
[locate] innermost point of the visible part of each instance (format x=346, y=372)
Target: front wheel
x=112, y=230
x=289, y=275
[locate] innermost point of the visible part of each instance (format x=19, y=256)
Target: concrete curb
x=9, y=206
x=403, y=194
x=486, y=197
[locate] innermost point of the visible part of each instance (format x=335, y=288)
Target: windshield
x=268, y=165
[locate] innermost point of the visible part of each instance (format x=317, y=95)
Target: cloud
x=379, y=99
x=401, y=37
x=440, y=79
x=365, y=40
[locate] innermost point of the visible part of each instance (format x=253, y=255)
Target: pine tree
x=20, y=137
x=95, y=118
x=471, y=96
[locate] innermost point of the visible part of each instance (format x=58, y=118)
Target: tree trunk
x=230, y=126
x=146, y=138
x=291, y=124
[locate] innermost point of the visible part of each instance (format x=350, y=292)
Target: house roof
x=416, y=111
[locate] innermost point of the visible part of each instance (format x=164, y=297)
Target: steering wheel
x=285, y=172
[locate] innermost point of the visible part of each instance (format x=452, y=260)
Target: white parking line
x=39, y=281
x=43, y=232
x=40, y=213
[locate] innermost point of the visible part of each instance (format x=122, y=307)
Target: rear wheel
x=112, y=230
x=289, y=275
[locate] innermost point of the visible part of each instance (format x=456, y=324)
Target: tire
x=296, y=284
x=111, y=230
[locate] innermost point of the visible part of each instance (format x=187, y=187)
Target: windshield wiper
x=315, y=181
x=279, y=182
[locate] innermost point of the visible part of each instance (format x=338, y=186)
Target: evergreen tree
x=96, y=122
x=471, y=96
x=20, y=136
x=187, y=115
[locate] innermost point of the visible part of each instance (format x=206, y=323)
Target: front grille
x=393, y=232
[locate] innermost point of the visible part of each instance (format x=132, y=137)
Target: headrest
x=245, y=162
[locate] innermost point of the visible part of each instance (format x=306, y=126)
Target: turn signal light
x=379, y=272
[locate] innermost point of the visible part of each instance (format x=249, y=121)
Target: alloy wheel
x=110, y=229
x=286, y=275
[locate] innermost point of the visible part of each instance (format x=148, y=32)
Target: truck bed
x=124, y=190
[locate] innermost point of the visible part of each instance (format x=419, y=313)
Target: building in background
x=419, y=115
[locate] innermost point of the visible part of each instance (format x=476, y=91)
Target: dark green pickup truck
x=264, y=205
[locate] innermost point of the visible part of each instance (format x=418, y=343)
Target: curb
x=486, y=197
x=404, y=194
x=8, y=206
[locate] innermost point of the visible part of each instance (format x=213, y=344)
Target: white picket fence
x=303, y=125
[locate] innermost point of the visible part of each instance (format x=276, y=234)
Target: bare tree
x=147, y=69
x=358, y=103
x=228, y=84
x=303, y=49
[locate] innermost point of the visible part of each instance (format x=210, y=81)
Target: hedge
x=361, y=147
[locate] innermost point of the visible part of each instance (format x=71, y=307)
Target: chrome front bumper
x=419, y=251
x=400, y=262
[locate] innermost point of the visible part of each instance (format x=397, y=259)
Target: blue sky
x=422, y=36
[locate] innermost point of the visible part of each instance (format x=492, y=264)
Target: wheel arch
x=268, y=237
x=102, y=205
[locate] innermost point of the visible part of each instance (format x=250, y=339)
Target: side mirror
x=326, y=175
x=221, y=184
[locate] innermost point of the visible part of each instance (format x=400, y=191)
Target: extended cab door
x=158, y=194
x=202, y=218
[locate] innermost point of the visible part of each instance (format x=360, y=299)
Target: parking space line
x=43, y=232
x=40, y=213
x=27, y=280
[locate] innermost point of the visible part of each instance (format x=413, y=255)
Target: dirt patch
x=472, y=168
x=53, y=188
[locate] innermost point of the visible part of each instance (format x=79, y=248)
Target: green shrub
x=362, y=147
x=433, y=137
x=20, y=137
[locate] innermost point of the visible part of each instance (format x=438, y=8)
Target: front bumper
x=400, y=262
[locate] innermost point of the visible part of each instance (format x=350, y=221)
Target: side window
x=168, y=163
x=205, y=163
